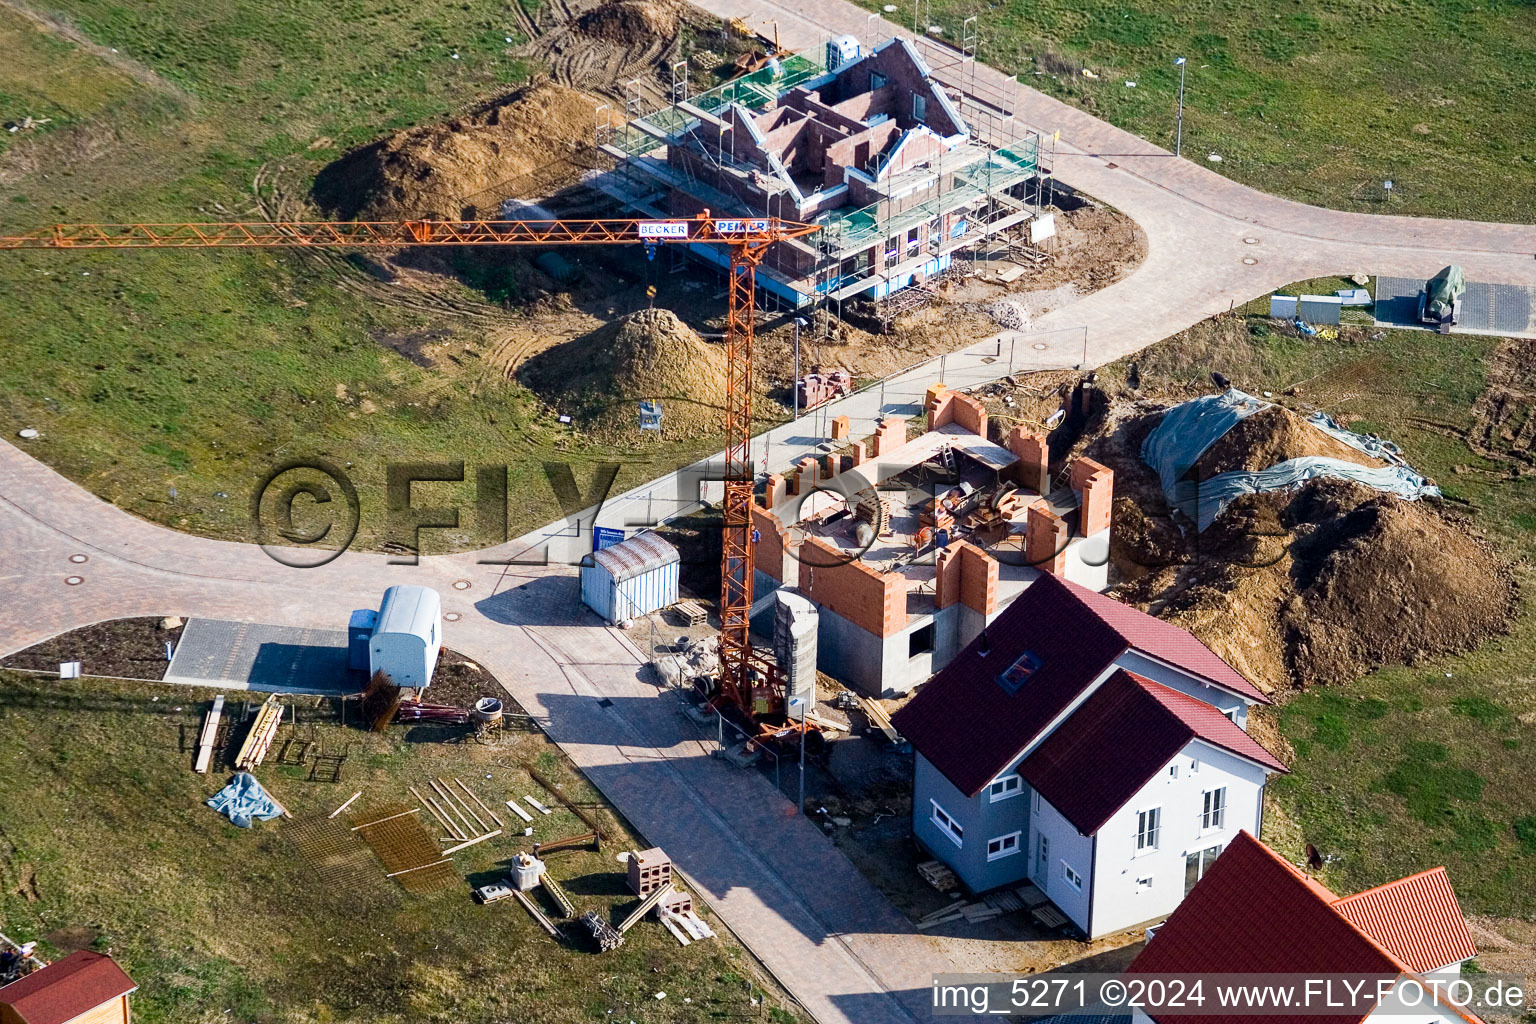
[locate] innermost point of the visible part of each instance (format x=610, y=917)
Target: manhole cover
x=78, y=559
x=1250, y=241
x=1249, y=260
x=461, y=584
x=1039, y=346
x=74, y=581
x=451, y=616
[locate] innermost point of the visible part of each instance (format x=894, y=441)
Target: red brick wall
x=978, y=579
x=1045, y=540
x=1097, y=484
x=969, y=413
x=1033, y=468
x=890, y=435
x=870, y=600
x=769, y=552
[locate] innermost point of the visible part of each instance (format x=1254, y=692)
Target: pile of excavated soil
x=1270, y=437
x=1321, y=584
x=463, y=167
x=630, y=21
x=649, y=355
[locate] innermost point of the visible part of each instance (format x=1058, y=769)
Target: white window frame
x=1012, y=785
x=1144, y=883
x=1070, y=875
x=1005, y=849
x=1231, y=715
x=1149, y=828
x=919, y=107
x=946, y=823
x=1213, y=810
x=1173, y=770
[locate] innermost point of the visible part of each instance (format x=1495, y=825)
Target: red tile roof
x=1119, y=740
x=66, y=988
x=970, y=728
x=1255, y=913
x=1416, y=918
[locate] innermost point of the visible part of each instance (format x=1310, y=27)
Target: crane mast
x=742, y=676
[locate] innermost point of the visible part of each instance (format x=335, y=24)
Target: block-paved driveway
x=779, y=884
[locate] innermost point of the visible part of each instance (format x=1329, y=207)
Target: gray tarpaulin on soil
x=243, y=800
x=1188, y=430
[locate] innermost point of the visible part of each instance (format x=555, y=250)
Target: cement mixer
x=1440, y=302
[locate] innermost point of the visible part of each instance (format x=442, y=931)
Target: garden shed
x=634, y=577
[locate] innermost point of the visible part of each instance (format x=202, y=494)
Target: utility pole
x=1178, y=139
x=802, y=702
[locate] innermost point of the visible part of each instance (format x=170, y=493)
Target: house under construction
x=868, y=145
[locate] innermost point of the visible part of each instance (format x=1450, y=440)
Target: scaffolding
x=983, y=187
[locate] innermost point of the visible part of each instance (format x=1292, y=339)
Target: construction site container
x=408, y=636
x=636, y=577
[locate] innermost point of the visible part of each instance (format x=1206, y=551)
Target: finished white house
x=1258, y=914
x=1089, y=748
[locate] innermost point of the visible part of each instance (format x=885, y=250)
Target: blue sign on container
x=606, y=537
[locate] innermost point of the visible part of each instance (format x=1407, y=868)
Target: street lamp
x=1178, y=140
x=794, y=386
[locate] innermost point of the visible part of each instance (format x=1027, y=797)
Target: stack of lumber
x=263, y=731
x=206, y=738
x=880, y=720
x=415, y=711
x=938, y=875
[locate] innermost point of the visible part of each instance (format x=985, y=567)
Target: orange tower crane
x=743, y=679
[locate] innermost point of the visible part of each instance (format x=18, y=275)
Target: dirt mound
x=463, y=167
x=1321, y=584
x=649, y=355
x=629, y=21
x=1270, y=437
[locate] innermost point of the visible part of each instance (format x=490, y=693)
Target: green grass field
x=104, y=840
x=170, y=382
x=1318, y=101
x=1421, y=765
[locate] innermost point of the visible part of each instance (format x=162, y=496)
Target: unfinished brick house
x=909, y=547
x=867, y=144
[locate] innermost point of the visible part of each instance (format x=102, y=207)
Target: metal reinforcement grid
x=336, y=854
x=403, y=844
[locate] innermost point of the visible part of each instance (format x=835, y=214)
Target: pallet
x=1047, y=916
x=938, y=875
x=691, y=613
x=1004, y=902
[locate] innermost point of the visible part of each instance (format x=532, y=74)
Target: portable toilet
x=408, y=636
x=359, y=636
x=635, y=577
x=841, y=51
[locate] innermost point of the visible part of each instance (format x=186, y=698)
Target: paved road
x=779, y=884
x=1212, y=243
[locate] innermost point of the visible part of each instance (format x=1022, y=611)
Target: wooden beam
x=517, y=809
x=468, y=829
x=472, y=842
x=418, y=867
x=462, y=804
x=380, y=821
x=476, y=799
x=432, y=810
x=208, y=735
x=344, y=806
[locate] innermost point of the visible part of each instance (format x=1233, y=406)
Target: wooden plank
x=669, y=922
x=344, y=806
x=537, y=806
x=826, y=723
x=468, y=828
x=476, y=799
x=380, y=821
x=418, y=867
x=517, y=809
x=695, y=924
x=453, y=826
x=538, y=915
x=472, y=842
x=644, y=908
x=259, y=740
x=208, y=735
x=464, y=804
x=433, y=811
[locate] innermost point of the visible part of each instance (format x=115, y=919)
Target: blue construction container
x=633, y=578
